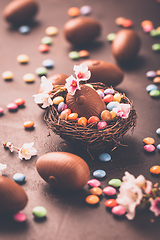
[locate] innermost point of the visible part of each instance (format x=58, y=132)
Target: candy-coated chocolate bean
x=7, y=75
x=151, y=74
x=19, y=177
x=154, y=93
x=93, y=119
x=74, y=55
x=108, y=98
x=20, y=217
x=112, y=105
x=63, y=115
x=12, y=106
x=115, y=182
x=101, y=125
x=148, y=140
x=155, y=169
x=149, y=148
x=96, y=191
x=82, y=121
x=85, y=10
x=72, y=116
x=57, y=100
x=83, y=53
x=51, y=30
x=99, y=173
x=158, y=147
x=28, y=124
x=1, y=111
x=92, y=199
x=39, y=212
x=151, y=87
x=68, y=111
x=22, y=58
x=61, y=106
x=117, y=97
x=94, y=183
x=110, y=203
x=43, y=48
x=105, y=157
x=41, y=71
x=73, y=12
x=158, y=131
x=156, y=80
x=46, y=40
x=106, y=115
x=19, y=101
x=118, y=210
x=48, y=63
x=29, y=78
x=101, y=94
x=24, y=29
x=113, y=114
x=109, y=191
x=109, y=91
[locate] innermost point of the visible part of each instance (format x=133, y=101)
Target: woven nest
x=90, y=137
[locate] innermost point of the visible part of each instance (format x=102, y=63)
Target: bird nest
x=90, y=137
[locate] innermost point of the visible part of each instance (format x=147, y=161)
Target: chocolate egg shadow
x=70, y=197
x=8, y=224
x=137, y=63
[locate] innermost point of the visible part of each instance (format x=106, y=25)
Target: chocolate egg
x=126, y=45
x=86, y=102
x=81, y=30
x=12, y=196
x=104, y=72
x=56, y=79
x=19, y=12
x=63, y=170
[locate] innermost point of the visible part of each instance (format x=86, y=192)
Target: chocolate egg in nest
x=89, y=137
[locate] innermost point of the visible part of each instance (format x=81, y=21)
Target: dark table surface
x=68, y=216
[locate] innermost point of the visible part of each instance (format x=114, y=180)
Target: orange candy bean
x=82, y=121
x=156, y=80
x=72, y=116
x=148, y=140
x=19, y=101
x=92, y=199
x=93, y=119
x=96, y=191
x=73, y=11
x=155, y=169
x=108, y=98
x=83, y=53
x=28, y=124
x=111, y=203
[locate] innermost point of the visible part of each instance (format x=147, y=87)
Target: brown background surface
x=68, y=216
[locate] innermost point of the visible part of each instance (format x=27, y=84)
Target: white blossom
x=46, y=84
x=43, y=98
x=27, y=151
x=81, y=71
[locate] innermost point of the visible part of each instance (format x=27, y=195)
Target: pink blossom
x=72, y=84
x=155, y=206
x=122, y=110
x=82, y=73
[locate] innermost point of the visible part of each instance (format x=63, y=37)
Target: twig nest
x=12, y=196
x=83, y=102
x=63, y=170
x=105, y=72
